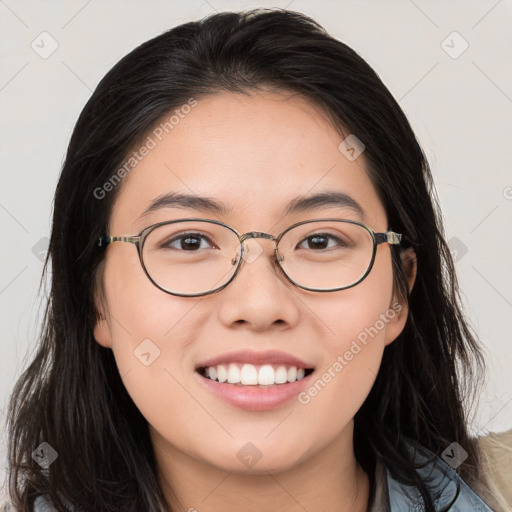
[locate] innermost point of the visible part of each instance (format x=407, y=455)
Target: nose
x=260, y=295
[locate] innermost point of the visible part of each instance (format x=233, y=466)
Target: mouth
x=255, y=388
x=255, y=376
x=255, y=381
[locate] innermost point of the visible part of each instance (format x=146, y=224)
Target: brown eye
x=188, y=242
x=322, y=241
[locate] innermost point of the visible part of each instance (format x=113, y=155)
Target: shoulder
x=496, y=454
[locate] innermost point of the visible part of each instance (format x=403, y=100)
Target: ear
x=399, y=308
x=410, y=266
x=102, y=332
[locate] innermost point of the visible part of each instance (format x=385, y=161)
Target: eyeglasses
x=194, y=257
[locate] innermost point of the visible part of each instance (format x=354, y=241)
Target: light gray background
x=459, y=105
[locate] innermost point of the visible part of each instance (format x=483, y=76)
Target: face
x=254, y=154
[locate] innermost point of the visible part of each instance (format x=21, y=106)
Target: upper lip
x=256, y=358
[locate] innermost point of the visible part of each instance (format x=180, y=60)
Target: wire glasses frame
x=139, y=240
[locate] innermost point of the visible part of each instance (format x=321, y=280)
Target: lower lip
x=256, y=398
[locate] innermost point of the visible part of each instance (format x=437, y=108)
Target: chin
x=256, y=458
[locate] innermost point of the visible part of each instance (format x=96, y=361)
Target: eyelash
x=183, y=236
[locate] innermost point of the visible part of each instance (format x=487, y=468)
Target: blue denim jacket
x=392, y=496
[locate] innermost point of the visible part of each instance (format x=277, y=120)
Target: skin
x=254, y=153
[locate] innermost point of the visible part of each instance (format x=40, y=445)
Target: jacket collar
x=392, y=496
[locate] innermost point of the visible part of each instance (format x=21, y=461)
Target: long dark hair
x=72, y=397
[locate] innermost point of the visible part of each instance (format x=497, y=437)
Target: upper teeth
x=251, y=375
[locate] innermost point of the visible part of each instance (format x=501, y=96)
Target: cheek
x=353, y=323
x=139, y=310
x=346, y=314
x=151, y=331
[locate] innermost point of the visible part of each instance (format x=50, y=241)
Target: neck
x=329, y=481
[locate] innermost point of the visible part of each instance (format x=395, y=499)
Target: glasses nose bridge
x=257, y=234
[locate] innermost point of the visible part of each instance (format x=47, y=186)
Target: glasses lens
x=190, y=257
x=326, y=255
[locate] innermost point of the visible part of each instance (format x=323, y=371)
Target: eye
x=191, y=242
x=323, y=241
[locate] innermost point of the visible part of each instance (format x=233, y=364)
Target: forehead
x=254, y=154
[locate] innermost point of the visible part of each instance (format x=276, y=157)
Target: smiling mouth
x=266, y=375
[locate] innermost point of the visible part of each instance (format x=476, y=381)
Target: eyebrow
x=332, y=198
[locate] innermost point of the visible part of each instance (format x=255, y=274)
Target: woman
x=286, y=331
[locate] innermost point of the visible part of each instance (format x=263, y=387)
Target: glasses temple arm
x=390, y=237
x=105, y=239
